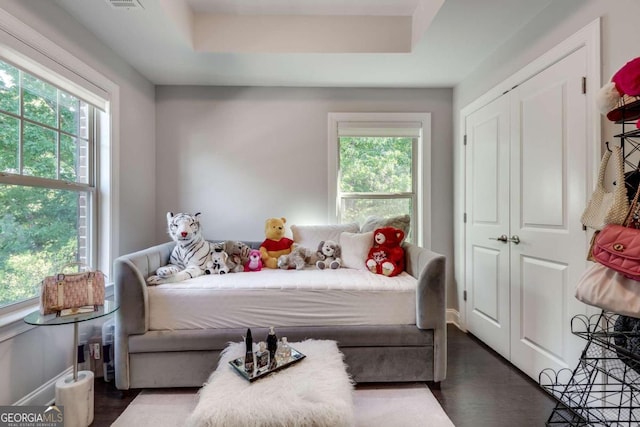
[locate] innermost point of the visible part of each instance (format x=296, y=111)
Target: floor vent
x=125, y=4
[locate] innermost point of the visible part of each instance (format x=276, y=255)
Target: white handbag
x=607, y=207
x=605, y=288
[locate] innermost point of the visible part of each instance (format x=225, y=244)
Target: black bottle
x=248, y=355
x=272, y=344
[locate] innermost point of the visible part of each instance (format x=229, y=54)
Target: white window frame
x=422, y=165
x=30, y=50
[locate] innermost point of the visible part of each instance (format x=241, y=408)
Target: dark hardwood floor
x=109, y=402
x=481, y=390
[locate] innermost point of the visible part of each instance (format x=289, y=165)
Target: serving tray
x=238, y=365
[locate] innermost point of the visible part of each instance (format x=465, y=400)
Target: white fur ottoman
x=314, y=392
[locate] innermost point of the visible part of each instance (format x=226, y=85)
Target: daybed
x=172, y=335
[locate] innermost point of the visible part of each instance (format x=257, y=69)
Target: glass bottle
x=248, y=354
x=286, y=348
x=283, y=354
x=272, y=344
x=262, y=357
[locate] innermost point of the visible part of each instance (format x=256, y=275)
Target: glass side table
x=75, y=391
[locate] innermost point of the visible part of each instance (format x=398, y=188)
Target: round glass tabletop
x=35, y=318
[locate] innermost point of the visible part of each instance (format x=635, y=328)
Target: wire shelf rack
x=604, y=388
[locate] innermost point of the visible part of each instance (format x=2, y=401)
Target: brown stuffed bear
x=275, y=243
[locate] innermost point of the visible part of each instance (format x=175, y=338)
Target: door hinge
x=464, y=217
x=465, y=140
x=584, y=85
x=464, y=295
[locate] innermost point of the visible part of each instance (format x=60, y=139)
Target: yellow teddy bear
x=275, y=243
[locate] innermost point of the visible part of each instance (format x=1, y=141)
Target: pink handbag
x=71, y=291
x=618, y=246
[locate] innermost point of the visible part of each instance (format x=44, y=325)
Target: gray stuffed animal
x=298, y=258
x=329, y=253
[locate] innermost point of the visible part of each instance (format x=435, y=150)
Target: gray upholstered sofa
x=185, y=358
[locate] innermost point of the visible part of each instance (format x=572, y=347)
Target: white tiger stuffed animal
x=190, y=256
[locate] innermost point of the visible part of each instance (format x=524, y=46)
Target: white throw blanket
x=316, y=391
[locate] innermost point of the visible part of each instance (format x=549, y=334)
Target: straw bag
x=607, y=207
x=72, y=290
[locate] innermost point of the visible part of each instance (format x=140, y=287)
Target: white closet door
x=548, y=194
x=487, y=207
x=526, y=163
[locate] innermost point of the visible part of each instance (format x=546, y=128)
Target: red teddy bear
x=386, y=256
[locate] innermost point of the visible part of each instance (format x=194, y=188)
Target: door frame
x=588, y=37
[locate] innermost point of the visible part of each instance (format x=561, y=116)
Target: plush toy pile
x=237, y=254
x=193, y=255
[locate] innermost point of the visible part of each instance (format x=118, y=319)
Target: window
x=48, y=181
x=377, y=164
x=35, y=170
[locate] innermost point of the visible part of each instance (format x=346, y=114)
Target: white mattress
x=307, y=297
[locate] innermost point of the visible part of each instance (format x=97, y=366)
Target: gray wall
x=620, y=34
x=30, y=359
x=240, y=155
x=619, y=30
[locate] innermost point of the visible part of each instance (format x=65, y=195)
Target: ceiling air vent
x=125, y=4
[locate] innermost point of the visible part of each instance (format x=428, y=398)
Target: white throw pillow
x=309, y=236
x=355, y=249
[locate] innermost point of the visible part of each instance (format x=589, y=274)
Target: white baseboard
x=453, y=316
x=45, y=394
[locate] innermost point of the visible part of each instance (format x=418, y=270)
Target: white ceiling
x=158, y=40
x=305, y=7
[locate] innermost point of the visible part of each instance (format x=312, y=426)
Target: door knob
x=515, y=239
x=503, y=238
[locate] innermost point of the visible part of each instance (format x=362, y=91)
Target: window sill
x=12, y=323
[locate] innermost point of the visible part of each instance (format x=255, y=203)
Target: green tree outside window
x=376, y=177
